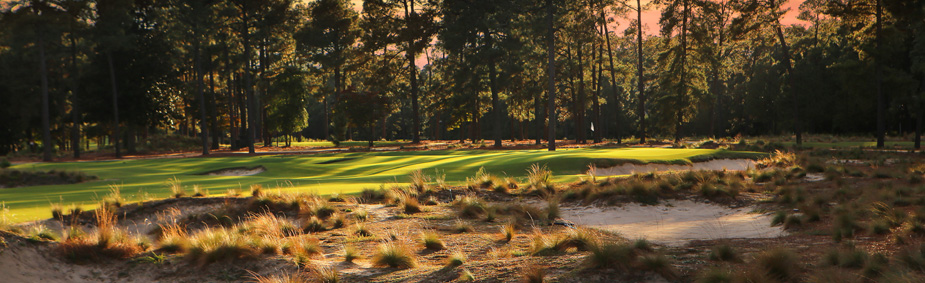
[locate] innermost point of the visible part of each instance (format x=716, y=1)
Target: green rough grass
x=350, y=174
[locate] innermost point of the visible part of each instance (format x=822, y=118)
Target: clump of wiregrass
x=324, y=274
x=547, y=245
x=42, y=233
x=371, y=195
x=314, y=206
x=716, y=275
x=198, y=192
x=221, y=244
x=394, y=255
x=455, y=259
x=724, y=252
x=114, y=197
x=552, y=209
x=508, y=230
x=360, y=229
x=657, y=263
x=176, y=187
x=431, y=240
x=108, y=241
x=361, y=214
x=466, y=276
x=469, y=207
x=338, y=220
x=295, y=277
x=256, y=190
x=350, y=253
x=912, y=258
x=6, y=219
x=774, y=265
x=313, y=224
x=482, y=179
x=410, y=205
x=461, y=226
x=538, y=177
x=608, y=254
x=173, y=239
x=419, y=180
x=57, y=211
x=846, y=257
x=777, y=159
x=268, y=224
x=533, y=273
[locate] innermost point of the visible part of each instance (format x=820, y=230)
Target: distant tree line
x=243, y=72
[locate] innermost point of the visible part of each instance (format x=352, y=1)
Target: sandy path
x=712, y=165
x=676, y=222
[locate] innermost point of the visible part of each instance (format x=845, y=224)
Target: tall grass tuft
x=350, y=253
x=114, y=197
x=219, y=244
x=108, y=242
x=173, y=239
x=455, y=259
x=778, y=263
x=418, y=180
x=508, y=231
x=469, y=207
x=176, y=187
x=612, y=255
x=533, y=274
x=198, y=192
x=724, y=253
x=393, y=255
x=431, y=240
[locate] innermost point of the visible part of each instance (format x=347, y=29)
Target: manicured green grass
x=343, y=173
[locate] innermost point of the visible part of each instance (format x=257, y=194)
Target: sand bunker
x=676, y=222
x=712, y=165
x=237, y=171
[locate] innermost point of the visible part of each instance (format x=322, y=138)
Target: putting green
x=322, y=173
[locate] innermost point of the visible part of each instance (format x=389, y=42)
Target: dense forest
x=245, y=72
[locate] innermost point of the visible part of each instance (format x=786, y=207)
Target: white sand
x=676, y=222
x=237, y=171
x=712, y=165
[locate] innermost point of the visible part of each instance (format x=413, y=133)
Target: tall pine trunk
x=682, y=91
x=613, y=80
x=115, y=106
x=213, y=108
x=46, y=120
x=203, y=128
x=582, y=97
x=75, y=106
x=413, y=77
x=497, y=112
x=881, y=99
x=551, y=74
x=248, y=87
x=640, y=83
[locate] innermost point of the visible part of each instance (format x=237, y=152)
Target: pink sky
x=649, y=19
x=650, y=16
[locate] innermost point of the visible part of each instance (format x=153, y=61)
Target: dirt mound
x=22, y=260
x=237, y=171
x=712, y=165
x=676, y=222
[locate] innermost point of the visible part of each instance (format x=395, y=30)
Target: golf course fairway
x=343, y=173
